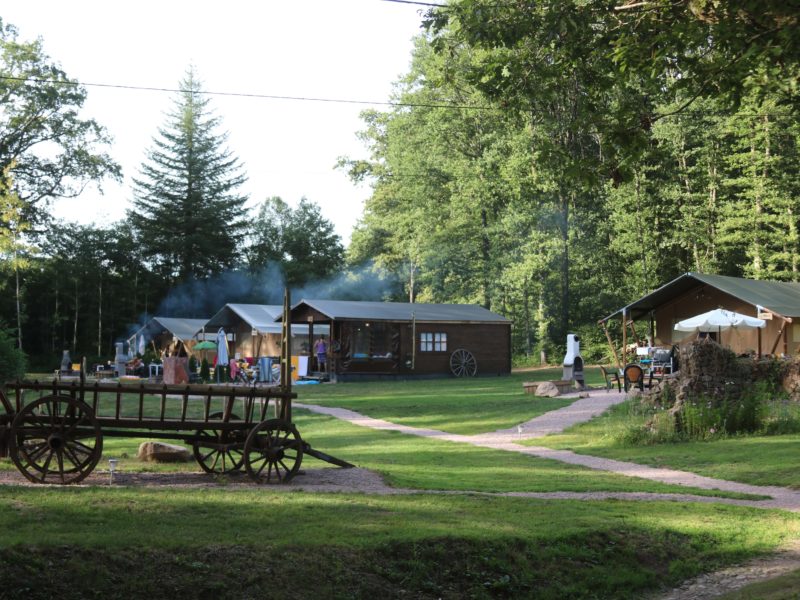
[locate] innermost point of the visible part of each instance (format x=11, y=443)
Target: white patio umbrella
x=719, y=320
x=141, y=345
x=222, y=350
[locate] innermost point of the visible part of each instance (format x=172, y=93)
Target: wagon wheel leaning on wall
x=463, y=363
x=273, y=452
x=56, y=439
x=219, y=451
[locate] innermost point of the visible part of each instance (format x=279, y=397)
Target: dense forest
x=549, y=160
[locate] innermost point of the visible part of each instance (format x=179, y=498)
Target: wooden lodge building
x=373, y=340
x=777, y=302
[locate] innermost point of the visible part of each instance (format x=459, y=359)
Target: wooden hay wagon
x=54, y=431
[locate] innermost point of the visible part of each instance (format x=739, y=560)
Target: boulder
x=161, y=452
x=547, y=389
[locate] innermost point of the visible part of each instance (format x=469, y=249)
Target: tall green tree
x=186, y=209
x=55, y=152
x=300, y=240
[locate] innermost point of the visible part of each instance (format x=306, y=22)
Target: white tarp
x=719, y=319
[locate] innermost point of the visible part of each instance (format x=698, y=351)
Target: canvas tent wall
x=164, y=333
x=391, y=339
x=692, y=293
x=253, y=330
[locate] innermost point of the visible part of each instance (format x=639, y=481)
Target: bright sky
x=337, y=49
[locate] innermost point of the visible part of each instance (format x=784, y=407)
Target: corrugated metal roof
x=403, y=311
x=261, y=317
x=780, y=297
x=183, y=329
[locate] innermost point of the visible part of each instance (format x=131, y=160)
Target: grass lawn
x=759, y=460
x=217, y=543
x=261, y=542
x=463, y=406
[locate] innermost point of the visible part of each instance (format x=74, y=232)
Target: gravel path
x=712, y=585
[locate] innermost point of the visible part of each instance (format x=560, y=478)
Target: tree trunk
x=75, y=322
x=100, y=317
x=565, y=296
x=485, y=255
x=19, y=306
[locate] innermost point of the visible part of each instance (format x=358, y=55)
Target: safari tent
x=778, y=302
x=164, y=335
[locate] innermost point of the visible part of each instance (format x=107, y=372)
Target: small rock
x=547, y=389
x=161, y=452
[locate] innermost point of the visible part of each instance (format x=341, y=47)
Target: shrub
x=205, y=371
x=13, y=361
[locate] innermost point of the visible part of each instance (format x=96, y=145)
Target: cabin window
x=433, y=342
x=372, y=341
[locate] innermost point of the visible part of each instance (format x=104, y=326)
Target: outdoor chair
x=633, y=375
x=611, y=376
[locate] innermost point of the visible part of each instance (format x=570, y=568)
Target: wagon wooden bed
x=54, y=431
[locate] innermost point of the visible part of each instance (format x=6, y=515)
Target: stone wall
x=707, y=370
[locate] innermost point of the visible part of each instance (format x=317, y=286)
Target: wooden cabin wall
x=489, y=343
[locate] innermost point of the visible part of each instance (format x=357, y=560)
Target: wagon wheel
x=463, y=363
x=209, y=451
x=273, y=452
x=56, y=439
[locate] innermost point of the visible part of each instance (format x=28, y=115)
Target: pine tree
x=187, y=213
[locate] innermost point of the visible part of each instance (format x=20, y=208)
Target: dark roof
x=402, y=311
x=780, y=297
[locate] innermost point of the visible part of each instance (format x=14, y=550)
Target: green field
x=464, y=406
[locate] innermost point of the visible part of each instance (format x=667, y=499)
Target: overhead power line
x=141, y=88
x=435, y=104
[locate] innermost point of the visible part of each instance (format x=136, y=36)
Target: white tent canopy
x=720, y=319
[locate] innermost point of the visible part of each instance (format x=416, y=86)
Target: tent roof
x=402, y=311
x=261, y=317
x=780, y=297
x=258, y=316
x=183, y=329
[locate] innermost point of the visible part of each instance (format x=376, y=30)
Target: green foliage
x=187, y=214
x=205, y=374
x=13, y=361
x=52, y=151
x=299, y=239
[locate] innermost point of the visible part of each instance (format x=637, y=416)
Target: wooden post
x=785, y=341
x=780, y=335
x=759, y=342
x=624, y=337
x=286, y=359
x=311, y=354
x=611, y=345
